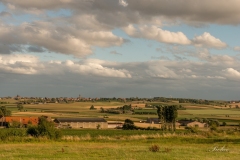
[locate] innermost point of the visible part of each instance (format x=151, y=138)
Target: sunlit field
x=126, y=144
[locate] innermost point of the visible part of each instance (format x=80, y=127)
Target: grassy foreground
x=125, y=147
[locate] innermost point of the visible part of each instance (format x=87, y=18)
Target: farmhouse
x=21, y=120
x=190, y=123
x=81, y=123
x=156, y=121
x=115, y=125
x=153, y=120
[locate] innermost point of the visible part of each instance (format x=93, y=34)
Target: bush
x=33, y=131
x=192, y=129
x=154, y=148
x=44, y=129
x=11, y=132
x=129, y=125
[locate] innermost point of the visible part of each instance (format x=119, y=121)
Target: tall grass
x=19, y=135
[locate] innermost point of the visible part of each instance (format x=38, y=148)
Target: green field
x=171, y=148
x=81, y=109
x=235, y=112
x=125, y=144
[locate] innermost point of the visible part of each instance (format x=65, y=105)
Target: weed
x=154, y=148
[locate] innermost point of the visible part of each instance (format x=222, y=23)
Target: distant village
x=44, y=100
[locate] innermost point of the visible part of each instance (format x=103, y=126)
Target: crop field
x=82, y=109
x=214, y=111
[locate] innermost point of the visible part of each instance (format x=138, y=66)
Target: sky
x=120, y=48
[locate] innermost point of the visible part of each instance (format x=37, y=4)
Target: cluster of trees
x=161, y=99
x=196, y=101
x=118, y=110
x=167, y=116
x=111, y=110
x=44, y=129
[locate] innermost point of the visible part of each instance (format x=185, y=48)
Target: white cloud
x=69, y=40
x=192, y=12
x=13, y=58
x=216, y=77
x=20, y=64
x=28, y=64
x=207, y=40
x=216, y=59
x=123, y=3
x=96, y=69
x=237, y=48
x=157, y=34
x=232, y=73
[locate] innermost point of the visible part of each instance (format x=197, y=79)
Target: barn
x=21, y=120
x=78, y=123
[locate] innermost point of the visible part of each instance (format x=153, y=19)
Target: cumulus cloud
x=20, y=64
x=188, y=11
x=231, y=73
x=207, y=40
x=205, y=55
x=161, y=72
x=216, y=77
x=96, y=69
x=155, y=75
x=197, y=11
x=123, y=3
x=55, y=39
x=75, y=27
x=237, y=48
x=28, y=64
x=157, y=34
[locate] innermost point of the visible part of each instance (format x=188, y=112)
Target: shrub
x=224, y=124
x=128, y=125
x=44, y=129
x=154, y=148
x=33, y=131
x=192, y=129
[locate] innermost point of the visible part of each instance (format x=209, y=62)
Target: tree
x=102, y=110
x=213, y=124
x=92, y=107
x=4, y=112
x=128, y=125
x=20, y=107
x=98, y=126
x=224, y=124
x=161, y=116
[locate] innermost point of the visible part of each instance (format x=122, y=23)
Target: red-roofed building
x=22, y=120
